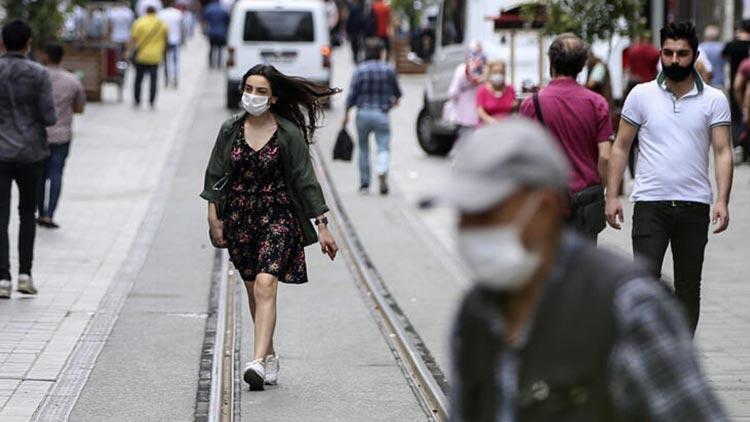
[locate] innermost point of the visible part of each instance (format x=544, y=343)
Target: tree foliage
x=591, y=19
x=46, y=17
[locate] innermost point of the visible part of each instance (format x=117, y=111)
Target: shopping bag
x=344, y=146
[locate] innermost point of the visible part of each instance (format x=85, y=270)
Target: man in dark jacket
x=26, y=108
x=555, y=329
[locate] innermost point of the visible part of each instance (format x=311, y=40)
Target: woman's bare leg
x=249, y=286
x=264, y=294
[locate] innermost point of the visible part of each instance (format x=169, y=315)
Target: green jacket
x=299, y=175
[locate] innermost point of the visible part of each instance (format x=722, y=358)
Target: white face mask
x=255, y=104
x=497, y=255
x=497, y=79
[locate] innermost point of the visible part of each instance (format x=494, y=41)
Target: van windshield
x=279, y=26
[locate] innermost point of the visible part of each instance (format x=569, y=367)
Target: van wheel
x=431, y=144
x=233, y=97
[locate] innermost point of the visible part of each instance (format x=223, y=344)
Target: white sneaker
x=4, y=289
x=272, y=369
x=254, y=374
x=26, y=285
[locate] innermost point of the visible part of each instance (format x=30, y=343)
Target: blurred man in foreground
x=556, y=329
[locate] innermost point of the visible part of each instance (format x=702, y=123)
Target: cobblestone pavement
x=116, y=161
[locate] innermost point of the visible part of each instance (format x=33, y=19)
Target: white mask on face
x=497, y=79
x=255, y=104
x=497, y=255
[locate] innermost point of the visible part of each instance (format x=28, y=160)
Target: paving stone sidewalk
x=115, y=165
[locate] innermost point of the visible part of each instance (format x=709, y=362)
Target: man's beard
x=676, y=72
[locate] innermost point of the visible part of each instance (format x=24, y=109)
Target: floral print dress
x=262, y=233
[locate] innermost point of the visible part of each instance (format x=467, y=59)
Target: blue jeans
x=368, y=121
x=53, y=170
x=171, y=63
x=140, y=71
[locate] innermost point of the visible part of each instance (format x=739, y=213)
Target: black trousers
x=684, y=225
x=28, y=177
x=140, y=71
x=214, y=53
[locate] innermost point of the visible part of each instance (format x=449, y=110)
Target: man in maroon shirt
x=579, y=119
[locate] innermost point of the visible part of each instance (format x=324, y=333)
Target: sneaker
x=383, y=184
x=254, y=374
x=4, y=289
x=738, y=155
x=272, y=369
x=26, y=284
x=364, y=190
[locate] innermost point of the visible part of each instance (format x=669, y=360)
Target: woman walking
x=262, y=193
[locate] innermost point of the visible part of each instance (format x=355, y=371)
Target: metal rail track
x=424, y=376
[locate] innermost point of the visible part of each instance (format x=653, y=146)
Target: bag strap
x=538, y=109
x=149, y=36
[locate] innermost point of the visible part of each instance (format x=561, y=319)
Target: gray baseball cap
x=495, y=161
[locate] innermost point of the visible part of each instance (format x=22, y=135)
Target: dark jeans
x=27, y=177
x=53, y=171
x=214, y=53
x=685, y=226
x=140, y=71
x=355, y=41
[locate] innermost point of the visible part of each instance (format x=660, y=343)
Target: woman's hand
x=327, y=242
x=216, y=233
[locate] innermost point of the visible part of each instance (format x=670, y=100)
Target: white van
x=291, y=35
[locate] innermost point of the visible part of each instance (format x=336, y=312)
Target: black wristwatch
x=323, y=221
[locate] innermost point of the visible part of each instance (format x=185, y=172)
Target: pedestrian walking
x=374, y=90
x=216, y=20
x=741, y=151
x=175, y=20
x=262, y=193
x=735, y=52
x=580, y=121
x=555, y=329
x=70, y=98
x=380, y=14
x=121, y=19
x=598, y=78
x=711, y=49
x=355, y=27
x=642, y=61
x=332, y=19
x=495, y=98
x=148, y=40
x=26, y=108
x=461, y=108
x=678, y=118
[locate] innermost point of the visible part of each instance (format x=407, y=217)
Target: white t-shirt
x=674, y=140
x=121, y=19
x=174, y=20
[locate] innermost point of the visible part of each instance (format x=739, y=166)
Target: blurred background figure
x=333, y=16
x=98, y=24
x=142, y=6
x=643, y=59
x=188, y=10
x=735, y=52
x=553, y=325
x=149, y=42
x=741, y=94
x=216, y=21
x=175, y=21
x=598, y=79
x=711, y=49
x=70, y=98
x=380, y=14
x=121, y=19
x=461, y=109
x=355, y=27
x=495, y=98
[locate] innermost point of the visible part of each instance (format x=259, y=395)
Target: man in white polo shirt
x=677, y=118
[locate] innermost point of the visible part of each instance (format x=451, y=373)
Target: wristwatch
x=323, y=221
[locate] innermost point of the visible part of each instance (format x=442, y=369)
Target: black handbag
x=344, y=146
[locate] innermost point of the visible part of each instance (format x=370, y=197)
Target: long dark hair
x=299, y=100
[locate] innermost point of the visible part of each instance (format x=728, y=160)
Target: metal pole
x=657, y=19
x=727, y=29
